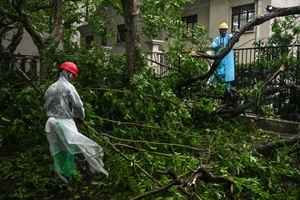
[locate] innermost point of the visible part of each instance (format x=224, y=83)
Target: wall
x=221, y=10
x=201, y=8
x=26, y=46
x=285, y=3
x=263, y=31
x=112, y=20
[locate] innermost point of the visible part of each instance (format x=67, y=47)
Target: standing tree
x=43, y=20
x=131, y=11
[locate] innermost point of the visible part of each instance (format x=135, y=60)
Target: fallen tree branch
x=184, y=185
x=154, y=143
x=143, y=150
x=203, y=174
x=155, y=191
x=132, y=162
x=163, y=188
x=158, y=63
x=30, y=81
x=142, y=125
x=269, y=147
x=235, y=111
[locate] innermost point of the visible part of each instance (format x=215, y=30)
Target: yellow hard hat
x=223, y=25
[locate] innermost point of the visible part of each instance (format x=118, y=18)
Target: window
x=121, y=37
x=190, y=22
x=104, y=38
x=242, y=15
x=88, y=41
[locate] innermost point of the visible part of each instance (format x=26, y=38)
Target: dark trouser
x=83, y=167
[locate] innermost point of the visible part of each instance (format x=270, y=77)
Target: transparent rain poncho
x=63, y=104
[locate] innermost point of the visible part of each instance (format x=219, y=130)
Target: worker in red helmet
x=67, y=145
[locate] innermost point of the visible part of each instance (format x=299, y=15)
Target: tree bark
x=131, y=11
x=58, y=32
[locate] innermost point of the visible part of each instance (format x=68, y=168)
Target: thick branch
x=278, y=12
x=57, y=32
x=38, y=90
x=206, y=176
x=16, y=39
x=155, y=191
x=267, y=148
x=24, y=19
x=184, y=185
x=4, y=12
x=158, y=63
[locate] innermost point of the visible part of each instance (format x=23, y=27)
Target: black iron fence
x=158, y=63
x=256, y=65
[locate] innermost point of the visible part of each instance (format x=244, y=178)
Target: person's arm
x=215, y=44
x=77, y=105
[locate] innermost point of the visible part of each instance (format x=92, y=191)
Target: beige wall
x=26, y=46
x=113, y=19
x=201, y=9
x=221, y=10
x=285, y=3
x=263, y=31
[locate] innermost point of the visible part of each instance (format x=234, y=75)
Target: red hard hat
x=70, y=67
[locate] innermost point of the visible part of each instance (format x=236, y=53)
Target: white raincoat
x=63, y=104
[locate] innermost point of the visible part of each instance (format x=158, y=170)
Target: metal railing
x=27, y=63
x=158, y=63
x=254, y=65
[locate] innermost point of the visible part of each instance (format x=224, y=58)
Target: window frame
x=238, y=11
x=190, y=21
x=89, y=40
x=121, y=33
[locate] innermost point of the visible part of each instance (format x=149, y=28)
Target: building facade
x=236, y=13
x=209, y=13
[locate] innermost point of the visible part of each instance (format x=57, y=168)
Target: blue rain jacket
x=226, y=67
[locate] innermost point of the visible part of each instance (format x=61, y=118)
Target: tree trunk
x=55, y=41
x=131, y=10
x=58, y=32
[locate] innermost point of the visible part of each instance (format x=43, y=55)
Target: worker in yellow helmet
x=225, y=70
